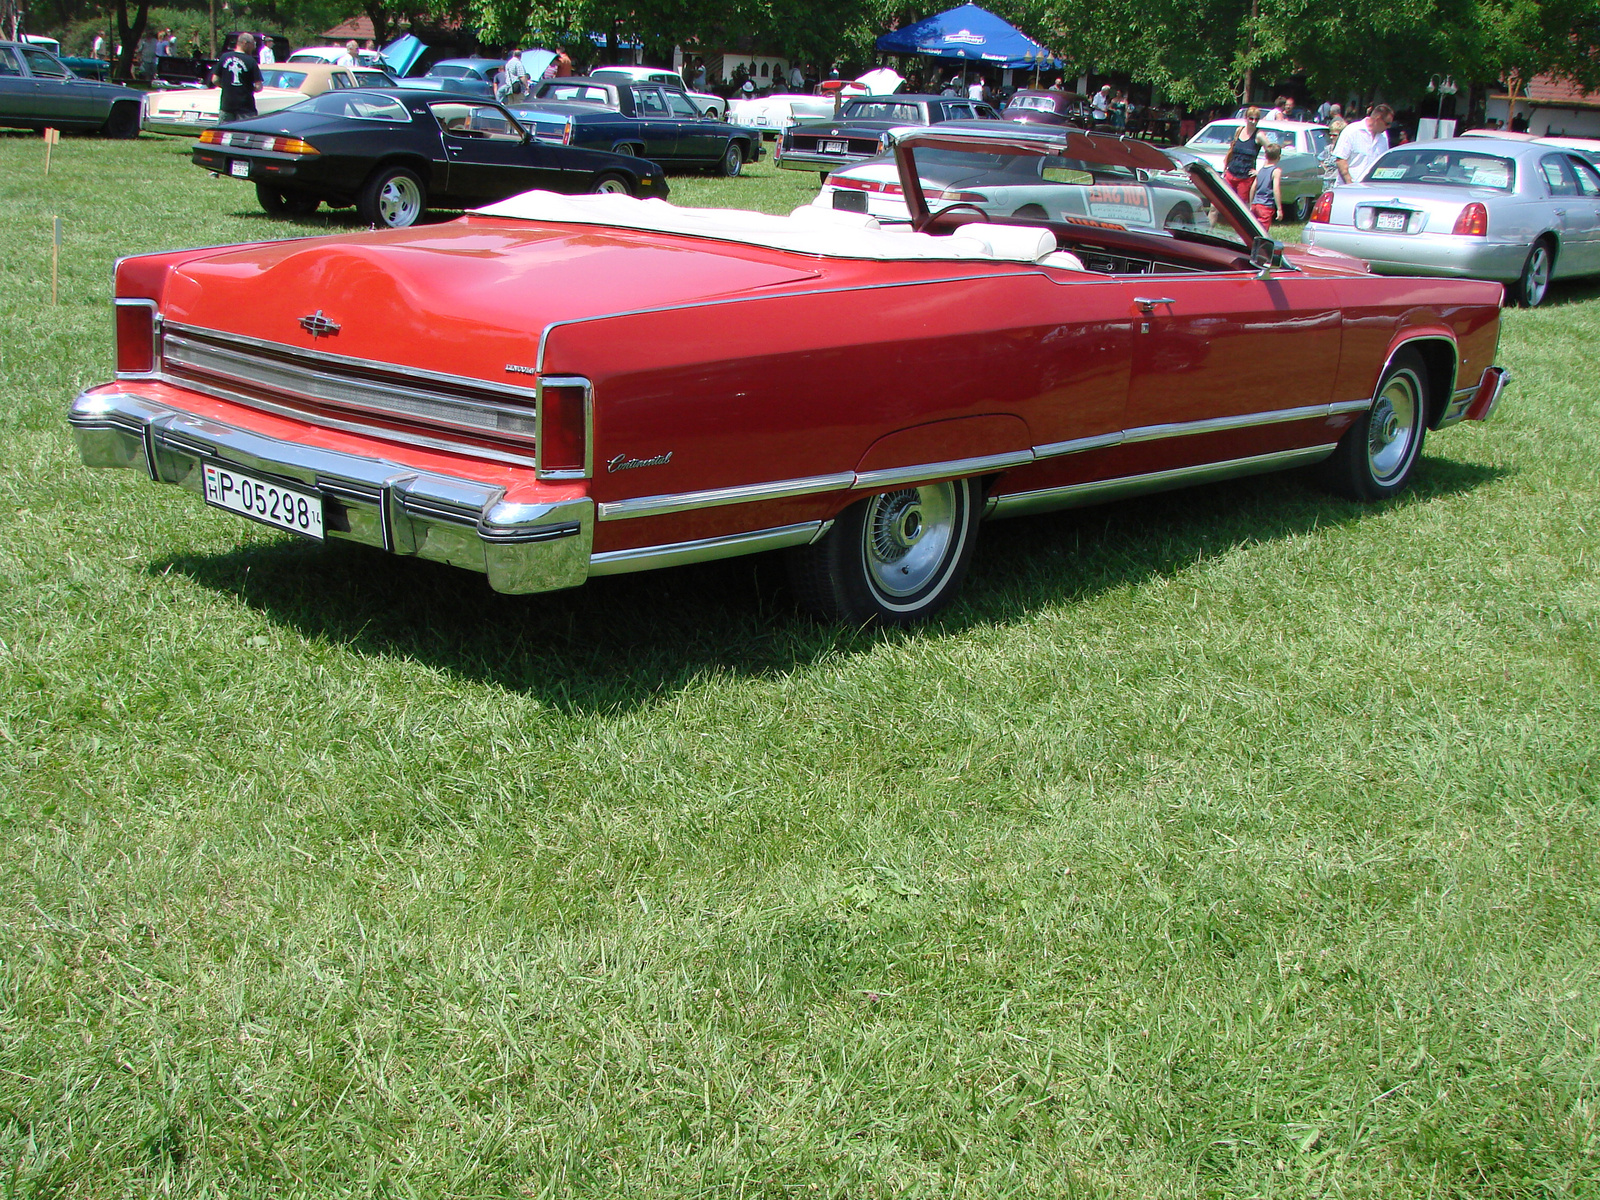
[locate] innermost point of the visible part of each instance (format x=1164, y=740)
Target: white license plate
x=270, y=503
x=835, y=147
x=1392, y=222
x=239, y=167
x=761, y=120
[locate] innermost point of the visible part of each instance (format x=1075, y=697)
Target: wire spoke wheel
x=1378, y=453
x=1392, y=427
x=891, y=559
x=908, y=536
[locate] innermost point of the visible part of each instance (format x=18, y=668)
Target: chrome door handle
x=1148, y=303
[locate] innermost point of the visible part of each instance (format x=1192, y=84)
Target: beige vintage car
x=187, y=111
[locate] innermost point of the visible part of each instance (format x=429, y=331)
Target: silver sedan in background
x=1480, y=208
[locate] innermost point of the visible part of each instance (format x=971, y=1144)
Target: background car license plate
x=1394, y=222
x=239, y=167
x=270, y=503
x=835, y=147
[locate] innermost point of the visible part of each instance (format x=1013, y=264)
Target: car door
x=660, y=128
x=699, y=140
x=56, y=95
x=1574, y=215
x=1586, y=206
x=17, y=95
x=1229, y=365
x=490, y=155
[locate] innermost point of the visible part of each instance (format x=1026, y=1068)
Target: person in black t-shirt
x=239, y=77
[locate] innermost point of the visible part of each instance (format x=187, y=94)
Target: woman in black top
x=1240, y=169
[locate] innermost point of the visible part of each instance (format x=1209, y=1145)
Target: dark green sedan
x=37, y=90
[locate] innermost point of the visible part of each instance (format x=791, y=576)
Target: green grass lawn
x=1237, y=842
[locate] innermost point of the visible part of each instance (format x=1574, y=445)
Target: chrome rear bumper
x=520, y=547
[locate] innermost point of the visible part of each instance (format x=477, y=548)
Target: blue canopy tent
x=971, y=34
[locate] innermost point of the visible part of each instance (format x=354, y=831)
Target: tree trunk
x=379, y=16
x=129, y=35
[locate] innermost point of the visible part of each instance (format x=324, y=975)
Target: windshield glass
x=282, y=77
x=1222, y=133
x=1452, y=168
x=883, y=110
x=1031, y=187
x=1042, y=103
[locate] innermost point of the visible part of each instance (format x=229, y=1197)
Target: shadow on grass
x=622, y=641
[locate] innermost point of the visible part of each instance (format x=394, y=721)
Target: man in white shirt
x=975, y=90
x=267, y=56
x=349, y=57
x=797, y=79
x=1100, y=104
x=1282, y=110
x=1362, y=143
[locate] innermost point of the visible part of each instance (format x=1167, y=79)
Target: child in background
x=1266, y=202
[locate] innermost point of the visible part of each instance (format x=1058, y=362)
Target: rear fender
x=978, y=445
x=1437, y=346
x=421, y=166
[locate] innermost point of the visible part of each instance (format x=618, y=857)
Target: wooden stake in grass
x=55, y=258
x=51, y=137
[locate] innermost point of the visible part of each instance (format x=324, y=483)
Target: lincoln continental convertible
x=545, y=390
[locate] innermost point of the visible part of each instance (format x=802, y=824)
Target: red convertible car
x=545, y=390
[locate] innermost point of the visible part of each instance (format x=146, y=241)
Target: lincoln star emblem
x=318, y=325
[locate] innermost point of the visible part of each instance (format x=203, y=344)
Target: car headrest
x=1013, y=242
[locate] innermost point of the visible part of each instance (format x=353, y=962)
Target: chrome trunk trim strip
x=644, y=558
x=1075, y=494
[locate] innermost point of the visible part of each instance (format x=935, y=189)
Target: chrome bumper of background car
x=520, y=547
x=811, y=160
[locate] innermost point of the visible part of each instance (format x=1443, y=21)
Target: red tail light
x=1323, y=209
x=136, y=337
x=561, y=449
x=566, y=133
x=1473, y=221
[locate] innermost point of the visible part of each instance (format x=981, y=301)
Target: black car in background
x=643, y=119
x=395, y=154
x=37, y=90
x=857, y=133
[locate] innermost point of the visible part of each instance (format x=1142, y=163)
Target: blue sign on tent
x=970, y=33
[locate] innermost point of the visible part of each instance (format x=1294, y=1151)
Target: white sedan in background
x=186, y=112
x=1303, y=147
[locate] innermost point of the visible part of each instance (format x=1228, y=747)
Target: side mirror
x=1264, y=255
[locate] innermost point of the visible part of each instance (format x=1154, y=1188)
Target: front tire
x=123, y=121
x=892, y=559
x=611, y=185
x=732, y=161
x=394, y=198
x=1377, y=454
x=1534, y=283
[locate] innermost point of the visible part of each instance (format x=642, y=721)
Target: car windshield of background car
x=882, y=110
x=1041, y=103
x=443, y=72
x=1058, y=189
x=374, y=79
x=577, y=92
x=280, y=78
x=1448, y=168
x=362, y=108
